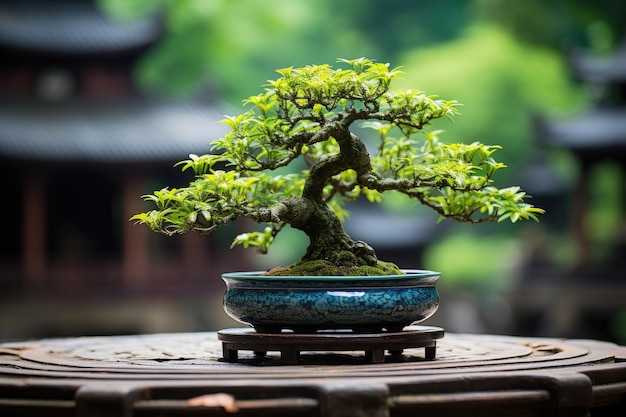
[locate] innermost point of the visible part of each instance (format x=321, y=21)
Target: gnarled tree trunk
x=328, y=239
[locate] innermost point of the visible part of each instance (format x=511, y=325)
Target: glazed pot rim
x=258, y=275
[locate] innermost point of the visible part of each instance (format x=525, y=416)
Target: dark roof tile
x=70, y=27
x=110, y=131
x=601, y=128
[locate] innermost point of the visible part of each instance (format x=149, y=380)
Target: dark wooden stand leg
x=230, y=355
x=375, y=355
x=289, y=355
x=430, y=352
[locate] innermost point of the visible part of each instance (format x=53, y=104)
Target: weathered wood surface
x=157, y=375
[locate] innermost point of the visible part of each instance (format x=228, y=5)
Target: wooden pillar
x=196, y=256
x=580, y=219
x=135, y=268
x=34, y=259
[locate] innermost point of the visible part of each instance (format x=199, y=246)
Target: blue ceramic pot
x=307, y=304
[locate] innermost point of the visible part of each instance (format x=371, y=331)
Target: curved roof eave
x=110, y=131
x=71, y=28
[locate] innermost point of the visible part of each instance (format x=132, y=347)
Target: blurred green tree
x=597, y=24
x=501, y=81
x=238, y=43
x=503, y=59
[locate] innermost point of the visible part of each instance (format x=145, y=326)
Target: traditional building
x=79, y=145
x=595, y=137
x=586, y=299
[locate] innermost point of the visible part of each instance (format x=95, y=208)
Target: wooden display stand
x=290, y=345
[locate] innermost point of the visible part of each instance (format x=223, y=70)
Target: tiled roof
x=109, y=131
x=601, y=68
x=70, y=27
x=601, y=128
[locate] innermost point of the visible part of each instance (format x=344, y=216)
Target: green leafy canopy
x=301, y=120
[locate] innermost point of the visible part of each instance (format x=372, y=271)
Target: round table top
x=167, y=370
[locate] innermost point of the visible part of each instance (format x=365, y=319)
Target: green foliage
x=306, y=115
x=502, y=83
x=458, y=176
x=598, y=24
x=472, y=261
x=216, y=198
x=234, y=44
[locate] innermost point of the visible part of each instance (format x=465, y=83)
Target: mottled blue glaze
x=306, y=304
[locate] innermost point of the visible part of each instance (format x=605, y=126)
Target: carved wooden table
x=185, y=375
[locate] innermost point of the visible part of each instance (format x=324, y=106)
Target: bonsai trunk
x=330, y=242
x=328, y=239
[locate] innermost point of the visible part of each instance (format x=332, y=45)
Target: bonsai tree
x=303, y=121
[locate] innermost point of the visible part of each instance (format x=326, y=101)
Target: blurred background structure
x=98, y=99
x=79, y=145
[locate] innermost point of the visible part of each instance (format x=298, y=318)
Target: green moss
x=325, y=268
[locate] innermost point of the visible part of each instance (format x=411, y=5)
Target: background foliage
x=503, y=59
x=236, y=44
